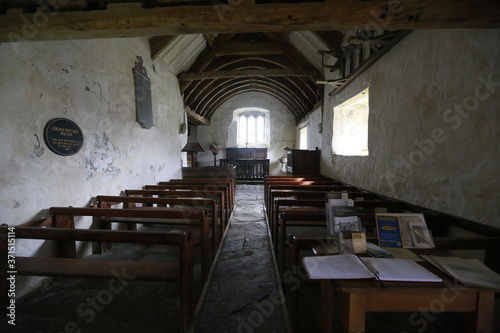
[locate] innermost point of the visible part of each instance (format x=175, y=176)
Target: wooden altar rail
x=248, y=169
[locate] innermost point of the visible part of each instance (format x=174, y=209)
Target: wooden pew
x=106, y=201
x=200, y=191
x=217, y=181
x=269, y=197
x=69, y=266
x=296, y=185
x=278, y=195
x=217, y=195
x=364, y=206
x=223, y=183
x=195, y=219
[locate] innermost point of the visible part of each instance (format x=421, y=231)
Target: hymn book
x=350, y=266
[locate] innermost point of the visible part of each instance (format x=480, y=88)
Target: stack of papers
x=470, y=272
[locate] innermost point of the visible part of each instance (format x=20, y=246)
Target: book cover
x=389, y=232
x=407, y=230
x=331, y=205
x=349, y=231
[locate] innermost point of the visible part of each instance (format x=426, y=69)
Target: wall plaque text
x=63, y=136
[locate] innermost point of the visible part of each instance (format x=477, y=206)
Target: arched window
x=251, y=130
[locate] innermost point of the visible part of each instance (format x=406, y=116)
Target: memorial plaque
x=63, y=136
x=143, y=99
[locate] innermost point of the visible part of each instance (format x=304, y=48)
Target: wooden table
x=356, y=297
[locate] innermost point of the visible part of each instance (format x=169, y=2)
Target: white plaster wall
x=433, y=124
x=282, y=128
x=313, y=121
x=91, y=83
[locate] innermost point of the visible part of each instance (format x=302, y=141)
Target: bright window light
x=251, y=127
x=303, y=138
x=350, y=126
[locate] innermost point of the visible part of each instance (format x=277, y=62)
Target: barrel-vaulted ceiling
x=289, y=49
x=238, y=63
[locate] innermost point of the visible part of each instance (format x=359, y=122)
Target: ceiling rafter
x=159, y=43
x=281, y=91
x=238, y=63
x=254, y=86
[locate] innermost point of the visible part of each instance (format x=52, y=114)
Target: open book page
x=402, y=270
x=470, y=272
x=349, y=266
x=342, y=266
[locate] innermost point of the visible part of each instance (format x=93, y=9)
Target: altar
x=251, y=163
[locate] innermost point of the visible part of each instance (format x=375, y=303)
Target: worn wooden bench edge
x=180, y=271
x=95, y=268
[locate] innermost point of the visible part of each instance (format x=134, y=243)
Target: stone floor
x=243, y=294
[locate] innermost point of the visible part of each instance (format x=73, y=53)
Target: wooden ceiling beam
x=247, y=73
x=159, y=43
x=131, y=20
x=195, y=118
x=244, y=49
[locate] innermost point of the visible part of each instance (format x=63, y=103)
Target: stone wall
x=433, y=124
x=91, y=83
x=281, y=128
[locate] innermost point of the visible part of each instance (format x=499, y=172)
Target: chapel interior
x=232, y=114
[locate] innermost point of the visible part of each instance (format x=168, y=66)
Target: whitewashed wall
x=91, y=83
x=281, y=128
x=433, y=125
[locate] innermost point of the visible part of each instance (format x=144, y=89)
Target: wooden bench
x=226, y=184
x=230, y=181
x=269, y=197
x=65, y=263
x=194, y=219
x=272, y=184
x=363, y=206
x=184, y=195
x=211, y=205
x=194, y=191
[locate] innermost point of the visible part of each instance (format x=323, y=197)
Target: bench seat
x=95, y=268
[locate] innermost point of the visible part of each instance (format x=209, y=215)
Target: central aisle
x=244, y=294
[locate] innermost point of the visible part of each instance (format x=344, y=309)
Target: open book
x=350, y=266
